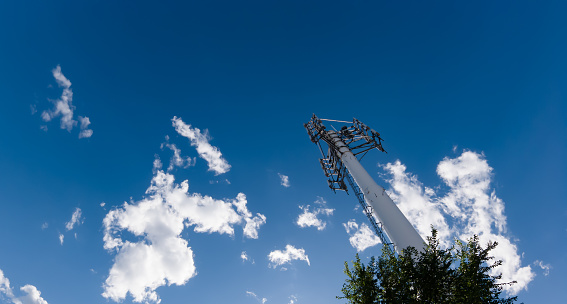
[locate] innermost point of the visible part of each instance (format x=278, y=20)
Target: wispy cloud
x=284, y=180
x=85, y=131
x=200, y=141
x=30, y=293
x=309, y=217
x=64, y=108
x=76, y=219
x=361, y=237
x=176, y=159
x=545, y=267
x=279, y=257
x=471, y=206
x=162, y=256
x=245, y=257
x=61, y=238
x=252, y=294
x=292, y=299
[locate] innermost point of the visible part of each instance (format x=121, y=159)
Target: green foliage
x=459, y=274
x=473, y=284
x=360, y=285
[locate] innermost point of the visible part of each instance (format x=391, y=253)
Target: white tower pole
x=397, y=227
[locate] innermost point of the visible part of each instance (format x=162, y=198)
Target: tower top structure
x=340, y=149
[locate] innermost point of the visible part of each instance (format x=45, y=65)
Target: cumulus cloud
x=159, y=255
x=76, y=219
x=284, y=180
x=309, y=216
x=253, y=225
x=361, y=237
x=31, y=296
x=470, y=205
x=253, y=295
x=61, y=238
x=5, y=286
x=279, y=257
x=30, y=293
x=417, y=202
x=200, y=141
x=64, y=108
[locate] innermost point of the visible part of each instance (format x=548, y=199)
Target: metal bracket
x=359, y=138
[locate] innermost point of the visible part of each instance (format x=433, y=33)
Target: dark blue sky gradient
x=486, y=76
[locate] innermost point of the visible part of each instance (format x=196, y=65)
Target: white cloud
x=278, y=257
x=61, y=238
x=44, y=226
x=545, y=267
x=157, y=165
x=63, y=107
x=76, y=219
x=482, y=213
x=284, y=180
x=160, y=255
x=5, y=286
x=31, y=294
x=292, y=299
x=252, y=294
x=244, y=256
x=178, y=161
x=309, y=217
x=417, y=202
x=85, y=131
x=471, y=206
x=252, y=223
x=361, y=237
x=200, y=141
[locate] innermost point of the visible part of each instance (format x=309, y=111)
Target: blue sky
x=469, y=97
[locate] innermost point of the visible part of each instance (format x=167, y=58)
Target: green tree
x=473, y=283
x=360, y=284
x=459, y=274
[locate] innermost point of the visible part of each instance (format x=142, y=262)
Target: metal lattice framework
x=360, y=139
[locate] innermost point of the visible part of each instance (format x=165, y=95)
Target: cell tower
x=340, y=162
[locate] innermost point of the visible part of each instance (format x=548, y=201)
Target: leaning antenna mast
x=340, y=150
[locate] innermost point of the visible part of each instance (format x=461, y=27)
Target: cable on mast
x=359, y=139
